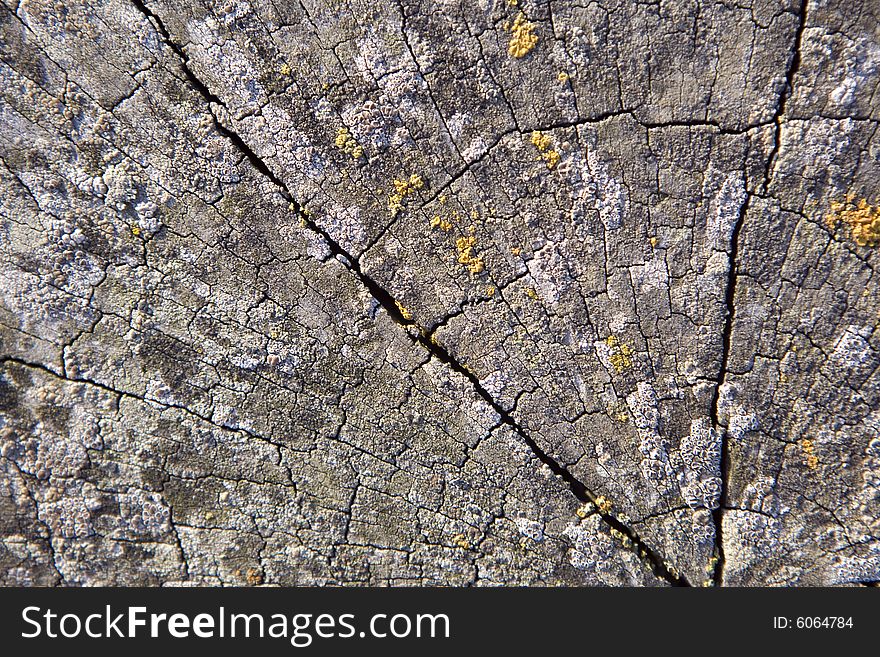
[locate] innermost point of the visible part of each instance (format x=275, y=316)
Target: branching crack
x=422, y=337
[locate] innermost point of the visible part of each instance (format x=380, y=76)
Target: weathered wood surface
x=439, y=292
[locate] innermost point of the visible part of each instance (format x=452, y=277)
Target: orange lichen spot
x=404, y=312
x=254, y=577
x=621, y=354
x=654, y=242
x=809, y=451
x=490, y=291
x=465, y=247
x=862, y=218
x=402, y=189
x=603, y=504
x=347, y=143
x=522, y=37
x=515, y=250
x=544, y=145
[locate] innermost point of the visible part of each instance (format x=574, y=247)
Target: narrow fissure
x=730, y=294
x=388, y=303
x=580, y=491
x=787, y=91
x=727, y=334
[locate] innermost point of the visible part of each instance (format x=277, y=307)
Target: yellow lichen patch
x=584, y=510
x=623, y=538
x=618, y=410
x=522, y=37
x=551, y=157
x=465, y=247
x=515, y=250
x=809, y=451
x=285, y=69
x=710, y=567
x=653, y=241
x=404, y=312
x=541, y=141
x=490, y=291
x=544, y=145
x=862, y=218
x=603, y=504
x=349, y=144
x=342, y=137
x=532, y=292
x=460, y=541
x=443, y=224
x=402, y=189
x=563, y=77
x=135, y=230
x=621, y=354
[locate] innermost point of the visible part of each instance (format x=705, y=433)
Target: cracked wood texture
x=460, y=293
